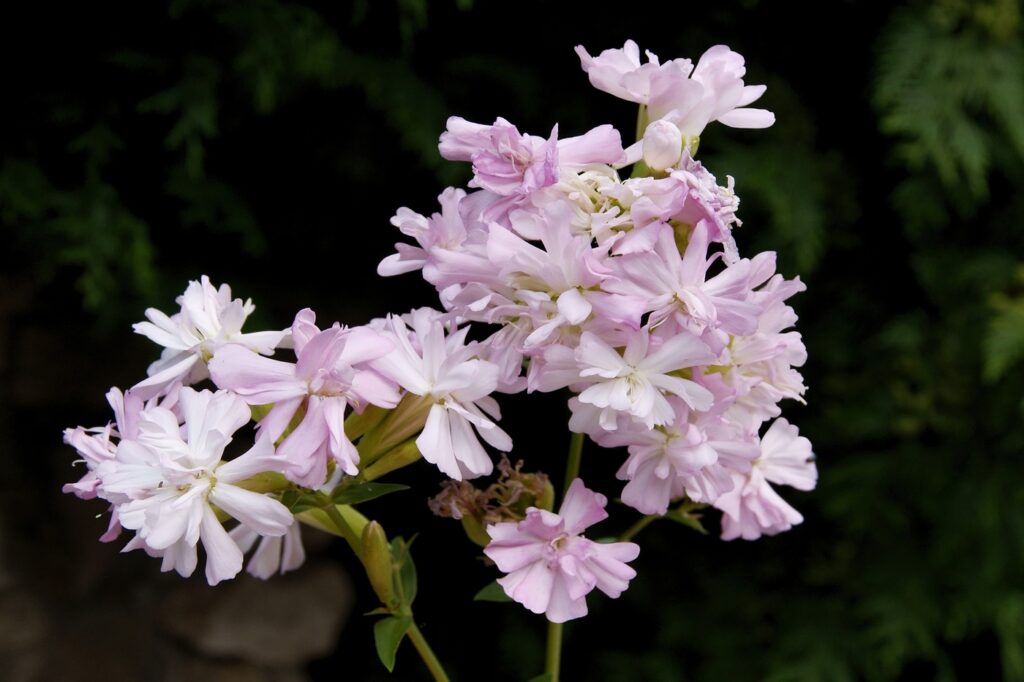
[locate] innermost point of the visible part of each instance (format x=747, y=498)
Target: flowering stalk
x=572, y=465
x=628, y=290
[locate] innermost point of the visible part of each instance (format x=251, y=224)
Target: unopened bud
x=376, y=558
x=663, y=145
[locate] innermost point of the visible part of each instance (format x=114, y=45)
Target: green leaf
x=688, y=519
x=543, y=677
x=1004, y=343
x=492, y=592
x=387, y=635
x=362, y=492
x=265, y=482
x=297, y=501
x=406, y=570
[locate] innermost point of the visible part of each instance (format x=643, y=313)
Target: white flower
x=444, y=370
x=634, y=383
x=753, y=508
x=208, y=318
x=172, y=476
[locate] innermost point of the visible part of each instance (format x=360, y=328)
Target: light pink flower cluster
x=630, y=292
x=161, y=463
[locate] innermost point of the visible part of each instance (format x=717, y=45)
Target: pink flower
x=634, y=383
x=98, y=446
x=514, y=165
x=551, y=567
x=688, y=97
x=208, y=319
x=753, y=508
x=620, y=73
x=274, y=554
x=696, y=456
x=171, y=476
x=678, y=289
x=556, y=286
x=442, y=368
x=332, y=371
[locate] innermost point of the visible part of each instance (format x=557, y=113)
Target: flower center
x=559, y=541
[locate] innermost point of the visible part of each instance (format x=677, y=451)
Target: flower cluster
x=161, y=464
x=629, y=292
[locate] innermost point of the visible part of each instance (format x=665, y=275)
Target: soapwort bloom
x=332, y=371
x=551, y=567
x=444, y=370
x=629, y=290
x=165, y=483
x=208, y=319
x=634, y=383
x=753, y=508
x=688, y=96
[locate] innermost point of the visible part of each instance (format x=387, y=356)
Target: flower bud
x=400, y=424
x=376, y=558
x=396, y=458
x=663, y=145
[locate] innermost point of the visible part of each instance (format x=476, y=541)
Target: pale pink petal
x=748, y=118
x=263, y=514
x=223, y=558
x=582, y=507
x=259, y=380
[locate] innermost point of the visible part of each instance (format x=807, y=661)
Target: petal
x=263, y=514
x=582, y=508
x=561, y=606
x=223, y=558
x=435, y=443
x=530, y=586
x=748, y=118
x=573, y=306
x=156, y=384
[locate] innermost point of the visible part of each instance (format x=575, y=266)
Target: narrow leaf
x=361, y=492
x=406, y=570
x=688, y=519
x=387, y=635
x=492, y=592
x=298, y=502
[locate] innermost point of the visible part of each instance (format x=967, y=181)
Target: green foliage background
x=267, y=143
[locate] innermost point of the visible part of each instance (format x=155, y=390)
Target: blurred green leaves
x=1004, y=343
x=223, y=64
x=950, y=88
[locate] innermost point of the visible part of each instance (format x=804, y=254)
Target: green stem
x=641, y=122
x=347, y=532
x=637, y=527
x=427, y=654
x=572, y=465
x=554, y=651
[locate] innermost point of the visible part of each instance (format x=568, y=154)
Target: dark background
x=267, y=144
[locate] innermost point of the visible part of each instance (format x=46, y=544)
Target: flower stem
x=347, y=532
x=637, y=527
x=553, y=660
x=427, y=654
x=572, y=465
